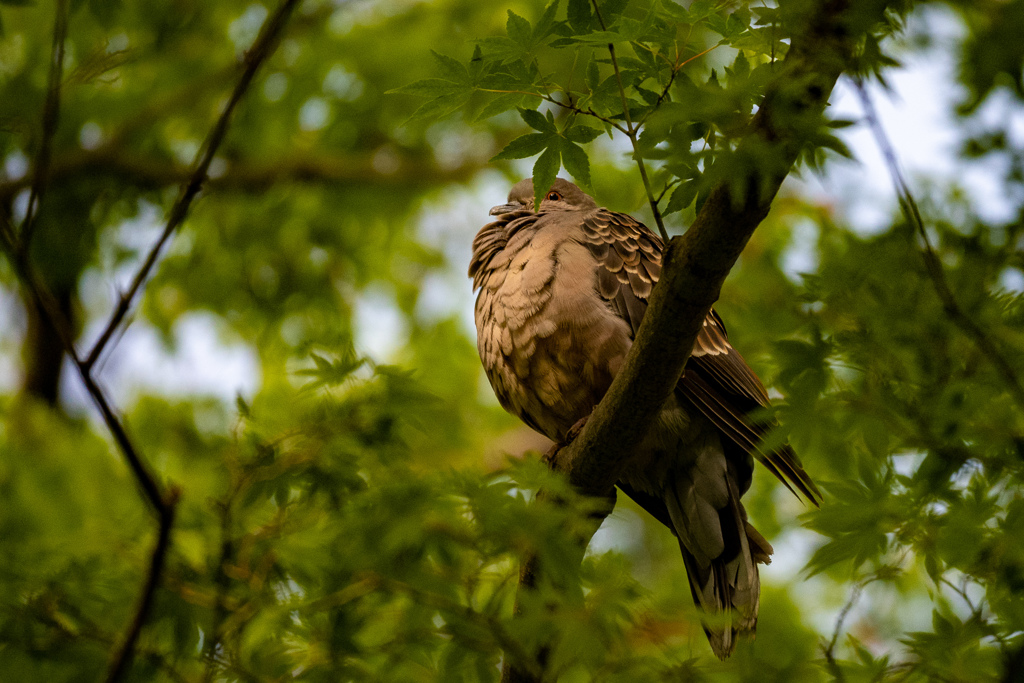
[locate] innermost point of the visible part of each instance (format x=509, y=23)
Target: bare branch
x=830, y=650
x=246, y=175
x=933, y=265
x=164, y=504
x=51, y=116
x=260, y=50
x=124, y=654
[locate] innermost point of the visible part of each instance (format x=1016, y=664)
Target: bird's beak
x=502, y=209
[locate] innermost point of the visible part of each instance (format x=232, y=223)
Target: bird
x=561, y=290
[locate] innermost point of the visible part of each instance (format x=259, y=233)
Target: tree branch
x=933, y=265
x=51, y=116
x=697, y=263
x=124, y=654
x=260, y=50
x=244, y=175
x=163, y=503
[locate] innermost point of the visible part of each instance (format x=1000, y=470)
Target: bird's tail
x=726, y=586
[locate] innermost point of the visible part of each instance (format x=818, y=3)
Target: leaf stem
x=631, y=132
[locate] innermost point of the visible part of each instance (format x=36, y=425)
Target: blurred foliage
x=340, y=522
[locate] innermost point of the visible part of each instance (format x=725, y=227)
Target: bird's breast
x=549, y=344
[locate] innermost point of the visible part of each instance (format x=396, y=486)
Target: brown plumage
x=562, y=291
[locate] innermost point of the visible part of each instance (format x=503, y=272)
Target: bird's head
x=561, y=196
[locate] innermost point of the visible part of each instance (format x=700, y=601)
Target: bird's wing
x=717, y=380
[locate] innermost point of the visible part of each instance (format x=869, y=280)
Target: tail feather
x=726, y=586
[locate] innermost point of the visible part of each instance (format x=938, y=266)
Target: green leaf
x=476, y=63
x=428, y=87
x=576, y=162
x=835, y=144
x=452, y=69
x=523, y=146
x=545, y=170
x=18, y=3
x=534, y=119
x=105, y=11
x=582, y=134
x=602, y=38
x=545, y=24
x=682, y=196
x=502, y=103
x=740, y=66
x=243, y=408
x=501, y=48
x=441, y=107
x=593, y=75
x=579, y=15
x=611, y=9
x=766, y=15
x=519, y=30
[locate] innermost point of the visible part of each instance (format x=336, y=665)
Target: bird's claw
x=575, y=430
x=551, y=457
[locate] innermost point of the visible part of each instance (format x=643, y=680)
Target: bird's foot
x=575, y=430
x=551, y=456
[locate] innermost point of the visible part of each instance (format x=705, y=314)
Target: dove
x=561, y=290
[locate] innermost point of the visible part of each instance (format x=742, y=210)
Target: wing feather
x=717, y=381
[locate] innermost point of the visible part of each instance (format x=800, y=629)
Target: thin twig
x=631, y=131
x=677, y=66
x=668, y=186
x=260, y=50
x=571, y=107
x=164, y=504
x=51, y=116
x=125, y=653
x=829, y=652
x=933, y=265
x=223, y=582
x=589, y=111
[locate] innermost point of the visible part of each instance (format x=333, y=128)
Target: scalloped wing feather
x=717, y=379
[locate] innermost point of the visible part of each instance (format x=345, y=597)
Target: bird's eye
x=553, y=196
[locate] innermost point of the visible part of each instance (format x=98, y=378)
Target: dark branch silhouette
x=164, y=502
x=245, y=175
x=261, y=49
x=51, y=116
